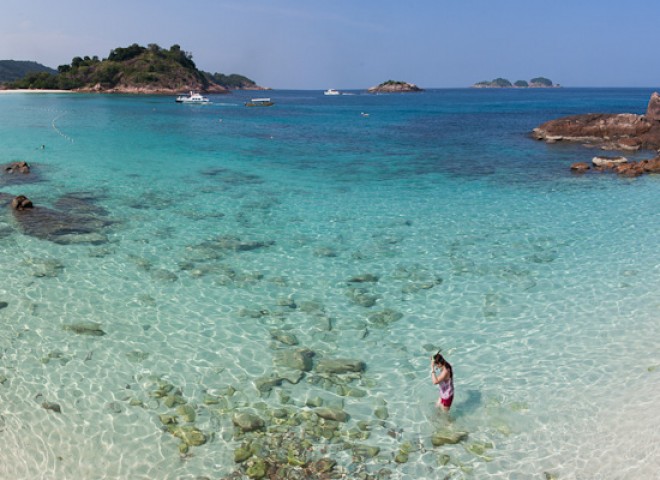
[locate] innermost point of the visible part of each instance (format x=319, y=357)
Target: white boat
x=331, y=91
x=192, y=97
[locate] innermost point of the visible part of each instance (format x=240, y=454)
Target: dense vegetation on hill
x=12, y=70
x=150, y=69
x=233, y=81
x=538, y=82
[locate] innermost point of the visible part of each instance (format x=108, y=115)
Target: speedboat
x=259, y=102
x=192, y=97
x=331, y=91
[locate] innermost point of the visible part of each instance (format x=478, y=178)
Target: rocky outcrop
x=653, y=109
x=395, y=87
x=17, y=167
x=620, y=166
x=63, y=226
x=624, y=131
x=21, y=202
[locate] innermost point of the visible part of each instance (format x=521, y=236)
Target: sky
x=356, y=44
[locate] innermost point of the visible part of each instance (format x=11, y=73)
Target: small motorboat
x=259, y=102
x=192, y=97
x=331, y=91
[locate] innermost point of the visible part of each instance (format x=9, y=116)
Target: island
x=12, y=70
x=610, y=131
x=538, y=82
x=134, y=69
x=393, y=86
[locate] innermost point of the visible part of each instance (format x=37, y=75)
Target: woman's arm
x=436, y=379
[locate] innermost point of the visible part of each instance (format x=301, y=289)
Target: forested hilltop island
x=538, y=82
x=134, y=69
x=12, y=70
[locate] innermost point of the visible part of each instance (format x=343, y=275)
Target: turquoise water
x=233, y=227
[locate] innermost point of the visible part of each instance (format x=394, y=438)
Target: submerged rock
x=447, y=438
x=384, y=317
x=332, y=414
x=248, y=422
x=366, y=277
x=365, y=450
x=236, y=244
x=190, y=435
x=284, y=337
x=58, y=226
x=300, y=359
x=55, y=407
x=85, y=328
x=340, y=365
x=362, y=297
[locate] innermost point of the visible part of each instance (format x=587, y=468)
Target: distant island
x=538, y=82
x=392, y=86
x=12, y=70
x=134, y=69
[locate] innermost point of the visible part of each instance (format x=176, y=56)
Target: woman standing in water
x=444, y=381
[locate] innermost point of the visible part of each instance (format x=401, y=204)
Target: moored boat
x=192, y=97
x=260, y=102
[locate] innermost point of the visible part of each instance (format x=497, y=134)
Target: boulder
x=653, y=109
x=622, y=131
x=21, y=202
x=17, y=167
x=608, y=162
x=580, y=167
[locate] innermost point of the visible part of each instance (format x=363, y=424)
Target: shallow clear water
x=539, y=286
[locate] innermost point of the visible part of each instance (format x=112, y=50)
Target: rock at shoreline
x=653, y=109
x=608, y=162
x=623, y=131
x=392, y=86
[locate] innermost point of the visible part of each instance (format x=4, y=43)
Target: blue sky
x=314, y=44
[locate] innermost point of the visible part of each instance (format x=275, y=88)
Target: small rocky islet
x=623, y=131
x=395, y=86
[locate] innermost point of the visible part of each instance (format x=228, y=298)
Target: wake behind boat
x=192, y=97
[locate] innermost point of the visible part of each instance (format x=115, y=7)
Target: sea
x=200, y=262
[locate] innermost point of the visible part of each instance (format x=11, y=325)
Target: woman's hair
x=440, y=360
